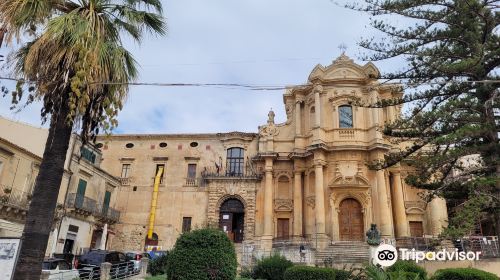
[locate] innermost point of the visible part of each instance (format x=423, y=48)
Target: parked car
x=59, y=269
x=135, y=257
x=91, y=261
x=156, y=254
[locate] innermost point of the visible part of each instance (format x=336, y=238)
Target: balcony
x=125, y=181
x=246, y=173
x=14, y=200
x=107, y=214
x=194, y=182
x=81, y=204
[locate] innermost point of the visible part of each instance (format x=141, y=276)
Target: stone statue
x=373, y=235
x=270, y=119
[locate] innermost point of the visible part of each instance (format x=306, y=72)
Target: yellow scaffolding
x=154, y=202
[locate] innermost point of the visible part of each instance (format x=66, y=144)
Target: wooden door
x=351, y=220
x=416, y=229
x=283, y=228
x=226, y=224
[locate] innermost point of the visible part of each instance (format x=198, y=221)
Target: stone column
x=319, y=208
x=267, y=237
x=297, y=204
x=384, y=212
x=398, y=203
x=438, y=215
x=105, y=272
x=317, y=107
x=298, y=120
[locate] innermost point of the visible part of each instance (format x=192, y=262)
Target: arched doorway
x=351, y=220
x=232, y=219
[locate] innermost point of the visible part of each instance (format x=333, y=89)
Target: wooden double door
x=351, y=222
x=232, y=219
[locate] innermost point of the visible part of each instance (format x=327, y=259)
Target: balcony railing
x=81, y=203
x=125, y=181
x=242, y=173
x=14, y=197
x=108, y=214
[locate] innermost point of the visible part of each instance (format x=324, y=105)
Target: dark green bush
x=309, y=273
x=246, y=272
x=404, y=275
x=271, y=268
x=342, y=274
x=463, y=274
x=158, y=266
x=408, y=266
x=202, y=254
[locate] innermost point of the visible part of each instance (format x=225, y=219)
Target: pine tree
x=449, y=129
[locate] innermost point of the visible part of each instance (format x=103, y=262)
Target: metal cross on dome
x=343, y=48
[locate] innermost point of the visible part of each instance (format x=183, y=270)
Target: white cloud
x=224, y=41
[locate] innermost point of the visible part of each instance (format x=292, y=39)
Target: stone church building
x=304, y=181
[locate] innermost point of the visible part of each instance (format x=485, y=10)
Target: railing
x=90, y=273
x=107, y=213
x=123, y=270
x=487, y=245
x=346, y=133
x=81, y=202
x=194, y=182
x=14, y=197
x=221, y=172
x=125, y=181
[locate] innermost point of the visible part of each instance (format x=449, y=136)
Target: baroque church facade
x=303, y=181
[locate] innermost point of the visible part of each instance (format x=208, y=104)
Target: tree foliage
x=449, y=131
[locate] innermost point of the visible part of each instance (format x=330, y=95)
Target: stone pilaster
x=384, y=219
x=267, y=236
x=398, y=203
x=317, y=105
x=297, y=204
x=298, y=121
x=319, y=208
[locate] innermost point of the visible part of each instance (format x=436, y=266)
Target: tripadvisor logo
x=386, y=255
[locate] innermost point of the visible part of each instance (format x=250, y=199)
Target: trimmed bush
x=408, y=266
x=404, y=275
x=342, y=274
x=158, y=266
x=202, y=254
x=309, y=273
x=463, y=274
x=271, y=268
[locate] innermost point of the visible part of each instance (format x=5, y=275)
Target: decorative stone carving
x=311, y=201
x=268, y=130
x=283, y=205
x=349, y=173
x=270, y=116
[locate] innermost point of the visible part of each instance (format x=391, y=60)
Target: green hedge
x=202, y=254
x=342, y=274
x=408, y=266
x=309, y=273
x=463, y=274
x=271, y=268
x=158, y=265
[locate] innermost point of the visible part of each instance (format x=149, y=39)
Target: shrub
x=309, y=273
x=202, y=255
x=342, y=274
x=158, y=266
x=271, y=268
x=463, y=274
x=246, y=272
x=408, y=266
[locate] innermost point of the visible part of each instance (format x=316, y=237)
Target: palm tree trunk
x=40, y=214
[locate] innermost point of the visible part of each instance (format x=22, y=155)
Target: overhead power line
x=255, y=87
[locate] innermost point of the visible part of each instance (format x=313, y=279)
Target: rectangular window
x=158, y=166
x=88, y=154
x=186, y=224
x=105, y=204
x=191, y=171
x=80, y=193
x=125, y=170
x=235, y=160
x=345, y=116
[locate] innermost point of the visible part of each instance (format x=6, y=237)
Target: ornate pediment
x=415, y=207
x=344, y=68
x=268, y=130
x=349, y=173
x=283, y=205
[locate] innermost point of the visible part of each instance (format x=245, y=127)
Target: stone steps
x=353, y=252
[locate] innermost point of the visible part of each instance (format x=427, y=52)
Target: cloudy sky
x=260, y=42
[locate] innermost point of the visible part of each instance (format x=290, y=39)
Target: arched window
x=345, y=116
x=235, y=161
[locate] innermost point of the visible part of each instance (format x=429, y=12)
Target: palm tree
x=77, y=66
